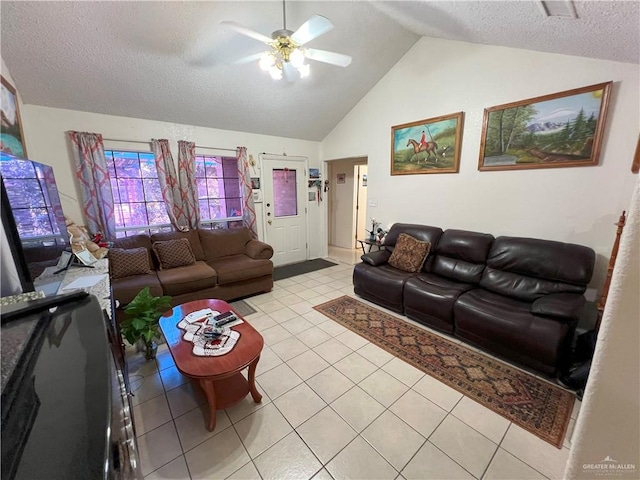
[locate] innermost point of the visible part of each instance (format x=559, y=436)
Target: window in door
x=285, y=199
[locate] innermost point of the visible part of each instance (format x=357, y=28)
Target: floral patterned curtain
x=169, y=184
x=95, y=187
x=188, y=186
x=249, y=211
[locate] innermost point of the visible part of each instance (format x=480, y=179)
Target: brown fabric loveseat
x=222, y=264
x=520, y=298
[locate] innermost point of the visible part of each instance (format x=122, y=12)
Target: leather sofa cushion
x=560, y=305
x=377, y=258
x=527, y=268
x=461, y=255
x=419, y=232
x=191, y=235
x=409, y=253
x=429, y=299
x=510, y=323
x=132, y=261
x=555, y=261
x=125, y=289
x=222, y=243
x=383, y=284
x=180, y=280
x=236, y=268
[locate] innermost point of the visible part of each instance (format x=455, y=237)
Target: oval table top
x=246, y=350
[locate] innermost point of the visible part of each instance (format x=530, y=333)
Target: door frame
x=328, y=171
x=305, y=161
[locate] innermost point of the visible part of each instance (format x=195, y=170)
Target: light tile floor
x=334, y=406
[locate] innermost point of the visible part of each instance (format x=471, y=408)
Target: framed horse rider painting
x=427, y=146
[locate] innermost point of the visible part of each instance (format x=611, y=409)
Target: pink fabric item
x=169, y=183
x=93, y=179
x=188, y=187
x=249, y=211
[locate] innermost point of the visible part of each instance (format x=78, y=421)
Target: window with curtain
x=219, y=194
x=137, y=196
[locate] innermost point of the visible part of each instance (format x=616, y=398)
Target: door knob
x=269, y=222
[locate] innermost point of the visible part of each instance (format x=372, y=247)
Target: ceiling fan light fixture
x=267, y=60
x=275, y=72
x=297, y=58
x=304, y=70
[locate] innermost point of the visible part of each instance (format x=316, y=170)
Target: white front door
x=285, y=208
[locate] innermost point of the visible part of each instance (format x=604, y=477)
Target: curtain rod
x=123, y=140
x=148, y=142
x=217, y=148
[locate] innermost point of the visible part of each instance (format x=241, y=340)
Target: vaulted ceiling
x=172, y=61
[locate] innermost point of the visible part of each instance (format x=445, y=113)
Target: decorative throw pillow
x=174, y=253
x=409, y=253
x=127, y=262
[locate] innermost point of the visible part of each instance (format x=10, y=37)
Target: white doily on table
x=196, y=323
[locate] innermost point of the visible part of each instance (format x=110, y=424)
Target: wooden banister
x=612, y=262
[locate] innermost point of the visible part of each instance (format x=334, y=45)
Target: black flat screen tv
x=32, y=216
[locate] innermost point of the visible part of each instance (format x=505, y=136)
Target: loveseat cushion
x=192, y=236
x=507, y=326
x=187, y=279
x=409, y=253
x=429, y=299
x=527, y=268
x=127, y=262
x=236, y=268
x=222, y=243
x=174, y=253
x=461, y=255
x=126, y=288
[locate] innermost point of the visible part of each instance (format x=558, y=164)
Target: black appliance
x=65, y=409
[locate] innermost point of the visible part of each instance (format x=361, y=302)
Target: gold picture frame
x=427, y=146
x=11, y=134
x=564, y=129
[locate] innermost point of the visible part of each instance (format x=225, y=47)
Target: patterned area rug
x=537, y=406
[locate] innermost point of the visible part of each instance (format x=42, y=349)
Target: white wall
x=45, y=130
x=609, y=420
x=343, y=197
x=438, y=77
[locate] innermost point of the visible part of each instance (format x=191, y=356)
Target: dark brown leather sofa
x=229, y=264
x=517, y=297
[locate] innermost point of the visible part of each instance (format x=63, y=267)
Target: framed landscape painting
x=427, y=146
x=11, y=136
x=559, y=130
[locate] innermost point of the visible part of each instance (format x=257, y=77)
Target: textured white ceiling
x=170, y=61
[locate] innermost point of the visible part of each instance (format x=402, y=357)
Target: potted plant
x=143, y=314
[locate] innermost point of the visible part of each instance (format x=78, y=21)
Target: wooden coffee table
x=220, y=377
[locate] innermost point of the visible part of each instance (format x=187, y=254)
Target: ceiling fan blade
x=312, y=28
x=333, y=58
x=247, y=31
x=290, y=73
x=247, y=59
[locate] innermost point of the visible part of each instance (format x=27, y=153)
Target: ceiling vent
x=558, y=8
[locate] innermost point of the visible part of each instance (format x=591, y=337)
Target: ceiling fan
x=288, y=53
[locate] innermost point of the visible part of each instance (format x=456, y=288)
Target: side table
x=370, y=243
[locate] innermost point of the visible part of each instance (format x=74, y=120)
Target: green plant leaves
x=143, y=314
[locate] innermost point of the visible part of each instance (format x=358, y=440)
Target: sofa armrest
x=258, y=250
x=562, y=305
x=376, y=258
